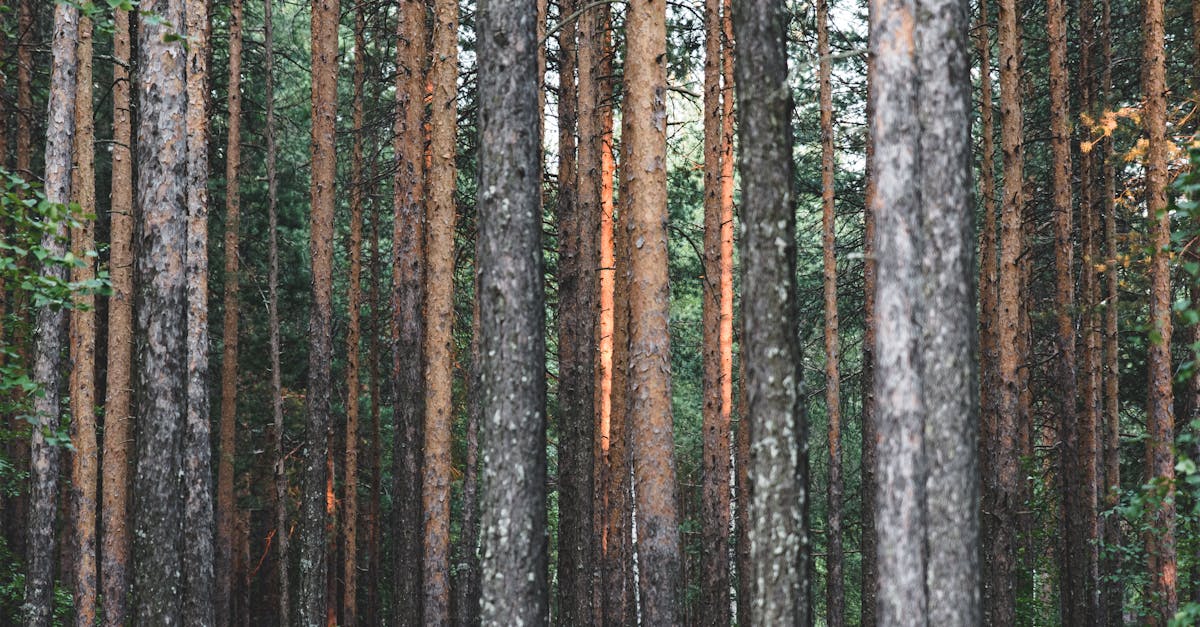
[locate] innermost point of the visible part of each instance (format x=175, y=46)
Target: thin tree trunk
x=115, y=541
x=353, y=336
x=745, y=582
x=84, y=486
x=439, y=311
x=372, y=609
x=229, y=356
x=718, y=379
x=408, y=326
x=835, y=593
x=513, y=497
x=771, y=350
x=1003, y=495
x=577, y=260
x=47, y=365
x=1160, y=427
x=162, y=363
x=870, y=570
x=198, y=603
x=314, y=519
x=25, y=112
x=282, y=531
x=649, y=380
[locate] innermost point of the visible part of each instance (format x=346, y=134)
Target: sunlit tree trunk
x=408, y=325
x=513, y=498
x=84, y=459
x=115, y=539
x=314, y=521
x=48, y=343
x=229, y=356
x=1160, y=418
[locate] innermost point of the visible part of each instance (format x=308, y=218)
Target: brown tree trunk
x=1160, y=418
x=229, y=356
x=439, y=312
x=513, y=497
x=371, y=607
x=84, y=459
x=835, y=594
x=47, y=364
x=282, y=531
x=649, y=383
x=868, y=548
x=25, y=112
x=771, y=348
x=115, y=541
x=353, y=336
x=718, y=328
x=314, y=521
x=1002, y=493
x=198, y=584
x=577, y=261
x=408, y=325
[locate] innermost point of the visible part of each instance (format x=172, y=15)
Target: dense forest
x=599, y=312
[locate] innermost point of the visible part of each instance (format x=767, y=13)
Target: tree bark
x=439, y=311
x=644, y=179
x=717, y=313
x=84, y=459
x=513, y=502
x=1160, y=418
x=314, y=521
x=229, y=356
x=577, y=260
x=771, y=349
x=372, y=606
x=408, y=325
x=47, y=364
x=354, y=336
x=868, y=544
x=25, y=112
x=115, y=540
x=1001, y=489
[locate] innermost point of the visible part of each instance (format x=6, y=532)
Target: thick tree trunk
x=408, y=325
x=84, y=459
x=577, y=261
x=513, y=503
x=47, y=364
x=115, y=541
x=466, y=594
x=229, y=356
x=372, y=605
x=835, y=593
x=771, y=349
x=314, y=521
x=1160, y=418
x=198, y=584
x=718, y=379
x=282, y=531
x=649, y=380
x=439, y=311
x=354, y=335
x=1001, y=485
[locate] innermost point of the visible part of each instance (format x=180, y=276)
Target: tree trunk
x=324, y=169
x=408, y=325
x=717, y=340
x=25, y=112
x=162, y=316
x=115, y=541
x=47, y=365
x=439, y=311
x=1001, y=489
x=84, y=459
x=229, y=356
x=466, y=596
x=198, y=604
x=513, y=503
x=372, y=606
x=577, y=261
x=282, y=531
x=1160, y=418
x=835, y=593
x=870, y=570
x=771, y=349
x=649, y=380
x=353, y=336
